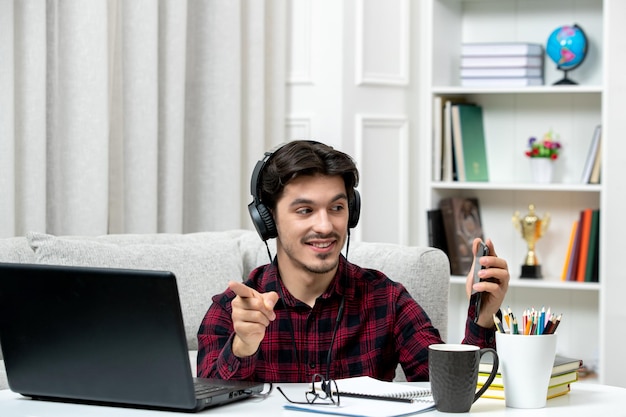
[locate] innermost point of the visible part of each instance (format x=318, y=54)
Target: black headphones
x=262, y=217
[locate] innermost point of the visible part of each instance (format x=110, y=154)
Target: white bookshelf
x=511, y=116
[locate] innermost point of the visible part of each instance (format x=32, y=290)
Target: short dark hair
x=301, y=158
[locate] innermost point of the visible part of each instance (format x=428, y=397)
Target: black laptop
x=103, y=336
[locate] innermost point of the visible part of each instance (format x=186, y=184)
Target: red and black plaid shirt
x=381, y=326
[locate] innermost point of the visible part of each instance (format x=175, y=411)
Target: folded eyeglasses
x=323, y=392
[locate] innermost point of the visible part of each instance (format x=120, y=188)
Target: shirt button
x=312, y=365
x=230, y=368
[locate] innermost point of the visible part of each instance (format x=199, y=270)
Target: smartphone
x=482, y=250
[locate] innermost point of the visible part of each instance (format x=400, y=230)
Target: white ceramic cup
x=526, y=363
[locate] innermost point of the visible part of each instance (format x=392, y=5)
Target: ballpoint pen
x=376, y=397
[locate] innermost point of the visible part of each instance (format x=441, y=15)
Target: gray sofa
x=204, y=263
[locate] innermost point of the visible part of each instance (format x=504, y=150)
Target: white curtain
x=136, y=116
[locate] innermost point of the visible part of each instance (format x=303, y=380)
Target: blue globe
x=567, y=47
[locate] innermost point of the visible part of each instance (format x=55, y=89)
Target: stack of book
x=582, y=257
x=506, y=64
x=564, y=373
x=459, y=142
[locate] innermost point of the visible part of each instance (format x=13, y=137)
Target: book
x=502, y=82
x=448, y=153
x=457, y=144
x=437, y=163
x=501, y=49
x=373, y=398
x=595, y=272
x=591, y=272
x=436, y=231
x=447, y=164
x=498, y=393
x=559, y=379
x=564, y=372
x=562, y=364
x=597, y=164
x=469, y=141
x=570, y=247
x=501, y=61
x=462, y=223
x=501, y=72
x=573, y=262
x=583, y=248
x=591, y=155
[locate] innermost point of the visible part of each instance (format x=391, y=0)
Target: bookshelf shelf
x=511, y=116
x=494, y=186
x=545, y=89
x=541, y=284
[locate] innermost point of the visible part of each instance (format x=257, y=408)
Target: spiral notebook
x=390, y=399
x=368, y=387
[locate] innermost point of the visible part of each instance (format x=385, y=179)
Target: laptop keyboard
x=204, y=388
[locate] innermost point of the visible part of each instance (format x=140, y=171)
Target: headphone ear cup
x=263, y=220
x=268, y=221
x=354, y=210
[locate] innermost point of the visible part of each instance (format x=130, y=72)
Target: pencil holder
x=526, y=364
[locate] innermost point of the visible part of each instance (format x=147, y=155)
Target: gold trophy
x=532, y=228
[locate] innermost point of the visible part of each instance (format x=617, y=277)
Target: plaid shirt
x=381, y=326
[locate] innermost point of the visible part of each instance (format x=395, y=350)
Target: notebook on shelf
x=102, y=336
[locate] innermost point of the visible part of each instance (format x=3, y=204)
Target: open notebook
x=369, y=397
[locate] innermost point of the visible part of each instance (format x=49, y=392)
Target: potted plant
x=542, y=154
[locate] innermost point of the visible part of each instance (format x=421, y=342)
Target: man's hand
x=495, y=286
x=252, y=313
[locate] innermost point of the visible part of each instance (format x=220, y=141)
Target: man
x=311, y=311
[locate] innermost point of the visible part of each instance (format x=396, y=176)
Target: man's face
x=312, y=221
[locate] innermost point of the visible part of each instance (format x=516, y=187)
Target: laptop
x=102, y=336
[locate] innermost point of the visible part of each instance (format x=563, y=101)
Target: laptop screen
x=95, y=334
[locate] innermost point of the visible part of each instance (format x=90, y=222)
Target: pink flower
x=548, y=147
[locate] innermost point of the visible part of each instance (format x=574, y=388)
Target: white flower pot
x=541, y=170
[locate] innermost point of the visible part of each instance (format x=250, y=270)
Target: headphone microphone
x=262, y=216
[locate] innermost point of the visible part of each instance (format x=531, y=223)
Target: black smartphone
x=481, y=251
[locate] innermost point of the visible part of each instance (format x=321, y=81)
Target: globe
x=567, y=47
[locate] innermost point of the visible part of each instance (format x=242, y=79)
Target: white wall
x=351, y=85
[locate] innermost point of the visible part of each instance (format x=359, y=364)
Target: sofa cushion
x=16, y=249
x=203, y=264
x=254, y=253
x=424, y=272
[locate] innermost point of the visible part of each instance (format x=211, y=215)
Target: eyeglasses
x=326, y=392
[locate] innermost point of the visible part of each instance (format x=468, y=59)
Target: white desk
x=584, y=400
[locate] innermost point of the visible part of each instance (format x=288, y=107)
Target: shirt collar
x=337, y=287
